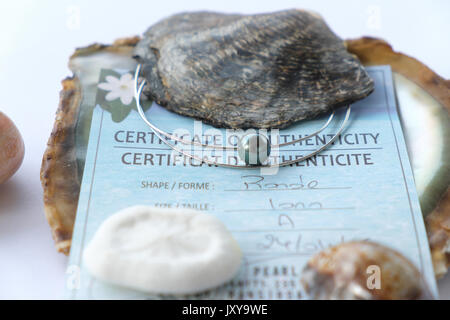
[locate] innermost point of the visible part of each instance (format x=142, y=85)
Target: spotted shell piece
x=362, y=270
x=249, y=71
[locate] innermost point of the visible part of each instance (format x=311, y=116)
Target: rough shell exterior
x=343, y=271
x=249, y=71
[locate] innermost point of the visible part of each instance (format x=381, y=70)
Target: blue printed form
x=362, y=187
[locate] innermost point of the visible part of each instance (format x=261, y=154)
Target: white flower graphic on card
x=119, y=88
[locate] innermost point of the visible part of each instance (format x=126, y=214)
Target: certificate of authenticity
x=361, y=188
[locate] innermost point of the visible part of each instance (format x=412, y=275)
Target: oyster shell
x=424, y=102
x=249, y=71
x=362, y=270
x=63, y=161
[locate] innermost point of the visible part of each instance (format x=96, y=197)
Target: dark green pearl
x=254, y=149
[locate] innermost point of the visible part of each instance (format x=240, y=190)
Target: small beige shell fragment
x=362, y=270
x=11, y=148
x=165, y=251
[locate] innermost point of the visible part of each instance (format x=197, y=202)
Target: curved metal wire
x=199, y=144
x=159, y=133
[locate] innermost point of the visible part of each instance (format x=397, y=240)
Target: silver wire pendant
x=253, y=149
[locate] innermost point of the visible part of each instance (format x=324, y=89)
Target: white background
x=36, y=40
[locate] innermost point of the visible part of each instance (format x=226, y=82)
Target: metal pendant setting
x=253, y=149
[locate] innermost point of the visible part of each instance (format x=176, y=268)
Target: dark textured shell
x=242, y=71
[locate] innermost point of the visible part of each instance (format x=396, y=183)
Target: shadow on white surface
x=10, y=196
x=30, y=267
